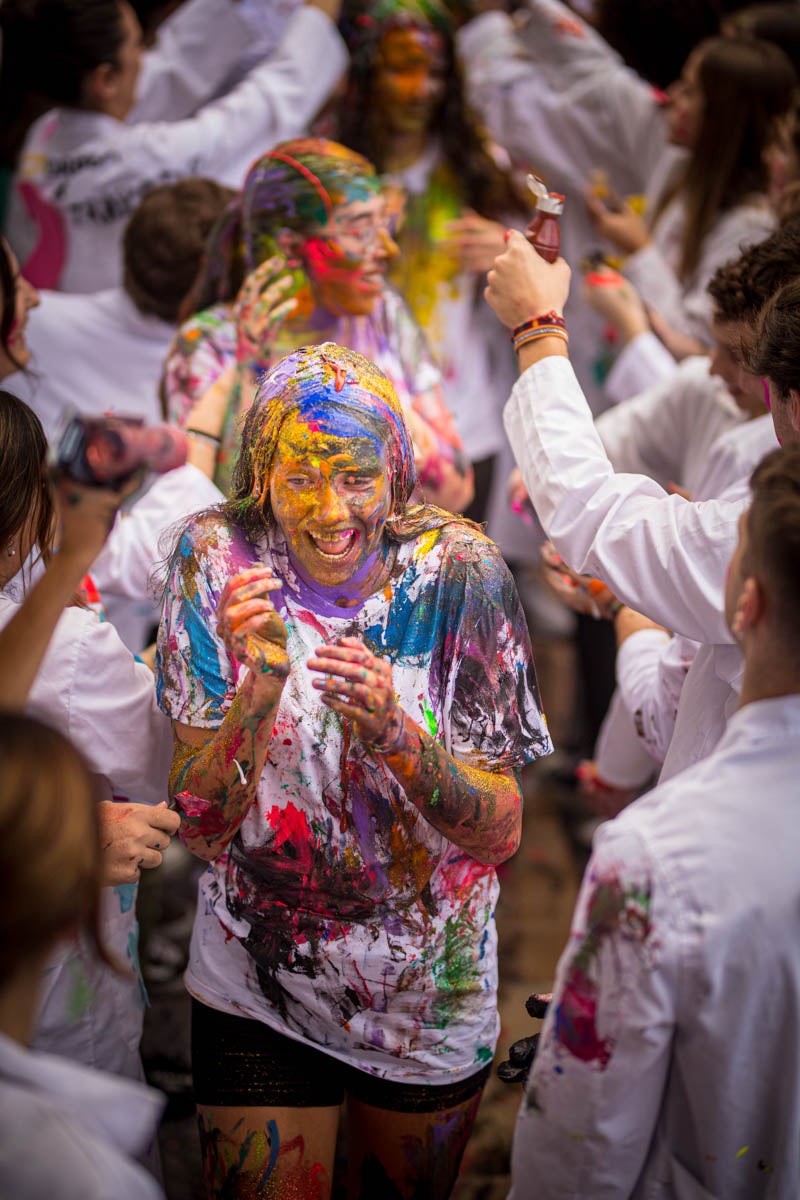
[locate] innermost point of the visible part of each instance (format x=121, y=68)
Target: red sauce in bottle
x=544, y=231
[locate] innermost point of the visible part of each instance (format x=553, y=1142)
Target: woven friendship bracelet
x=534, y=335
x=546, y=319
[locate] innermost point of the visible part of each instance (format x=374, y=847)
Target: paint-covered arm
x=593, y=1097
x=478, y=810
x=215, y=773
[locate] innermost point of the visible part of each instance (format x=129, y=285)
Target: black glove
x=516, y=1067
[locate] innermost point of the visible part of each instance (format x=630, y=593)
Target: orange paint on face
x=346, y=259
x=330, y=496
x=410, y=79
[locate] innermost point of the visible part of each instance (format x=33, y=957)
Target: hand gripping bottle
x=544, y=231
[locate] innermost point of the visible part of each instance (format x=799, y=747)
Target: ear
x=100, y=86
x=794, y=409
x=750, y=608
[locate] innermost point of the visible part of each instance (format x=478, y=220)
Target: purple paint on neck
x=321, y=599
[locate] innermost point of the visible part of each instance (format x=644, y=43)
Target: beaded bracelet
x=548, y=318
x=534, y=335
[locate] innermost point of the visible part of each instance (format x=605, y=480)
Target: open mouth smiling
x=334, y=544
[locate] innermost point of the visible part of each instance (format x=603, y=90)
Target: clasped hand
x=359, y=686
x=356, y=683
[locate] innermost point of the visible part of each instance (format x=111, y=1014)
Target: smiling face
x=346, y=259
x=330, y=495
x=16, y=354
x=410, y=79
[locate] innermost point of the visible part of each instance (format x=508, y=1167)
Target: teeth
x=333, y=544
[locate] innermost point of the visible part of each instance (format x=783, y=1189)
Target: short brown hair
x=773, y=536
x=164, y=244
x=776, y=348
x=741, y=288
x=50, y=855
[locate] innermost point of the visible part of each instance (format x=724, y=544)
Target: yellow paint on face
x=330, y=496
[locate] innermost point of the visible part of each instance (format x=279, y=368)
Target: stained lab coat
x=669, y=1063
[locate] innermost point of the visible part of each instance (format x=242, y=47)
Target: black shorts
x=239, y=1063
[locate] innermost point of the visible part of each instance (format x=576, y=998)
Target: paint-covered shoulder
x=467, y=552
x=210, y=542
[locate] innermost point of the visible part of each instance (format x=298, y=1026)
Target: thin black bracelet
x=207, y=437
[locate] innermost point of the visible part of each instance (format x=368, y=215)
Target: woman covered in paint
x=405, y=110
x=352, y=694
x=321, y=208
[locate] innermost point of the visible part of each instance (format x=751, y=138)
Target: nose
x=386, y=246
x=331, y=507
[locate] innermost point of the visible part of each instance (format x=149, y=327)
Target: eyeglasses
x=363, y=232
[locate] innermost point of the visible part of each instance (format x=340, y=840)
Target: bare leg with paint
x=406, y=1156
x=268, y=1153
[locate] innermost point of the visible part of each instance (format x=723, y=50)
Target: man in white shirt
x=104, y=352
x=662, y=555
x=669, y=1063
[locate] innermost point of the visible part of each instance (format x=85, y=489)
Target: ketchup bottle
x=544, y=231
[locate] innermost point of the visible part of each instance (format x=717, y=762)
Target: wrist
x=262, y=689
x=394, y=737
x=535, y=351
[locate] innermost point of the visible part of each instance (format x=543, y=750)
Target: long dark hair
x=746, y=86
x=26, y=497
x=489, y=189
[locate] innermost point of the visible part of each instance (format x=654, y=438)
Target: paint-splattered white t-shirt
x=338, y=914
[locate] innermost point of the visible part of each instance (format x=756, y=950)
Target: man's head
x=740, y=289
x=165, y=243
x=776, y=357
x=762, y=593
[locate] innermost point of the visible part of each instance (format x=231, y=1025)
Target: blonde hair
x=50, y=855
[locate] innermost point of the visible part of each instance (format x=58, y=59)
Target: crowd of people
x=299, y=436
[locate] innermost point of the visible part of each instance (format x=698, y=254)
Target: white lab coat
x=93, y=354
x=686, y=305
x=662, y=555
x=126, y=571
x=668, y=430
x=562, y=102
x=669, y=1063
x=650, y=679
x=199, y=48
x=91, y=689
x=83, y=173
x=69, y=1133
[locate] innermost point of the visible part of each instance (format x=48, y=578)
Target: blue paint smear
x=126, y=894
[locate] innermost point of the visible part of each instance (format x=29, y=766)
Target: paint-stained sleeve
x=195, y=675
x=495, y=715
x=592, y=1101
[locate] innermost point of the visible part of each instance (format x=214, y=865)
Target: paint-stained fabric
x=669, y=1063
x=338, y=915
